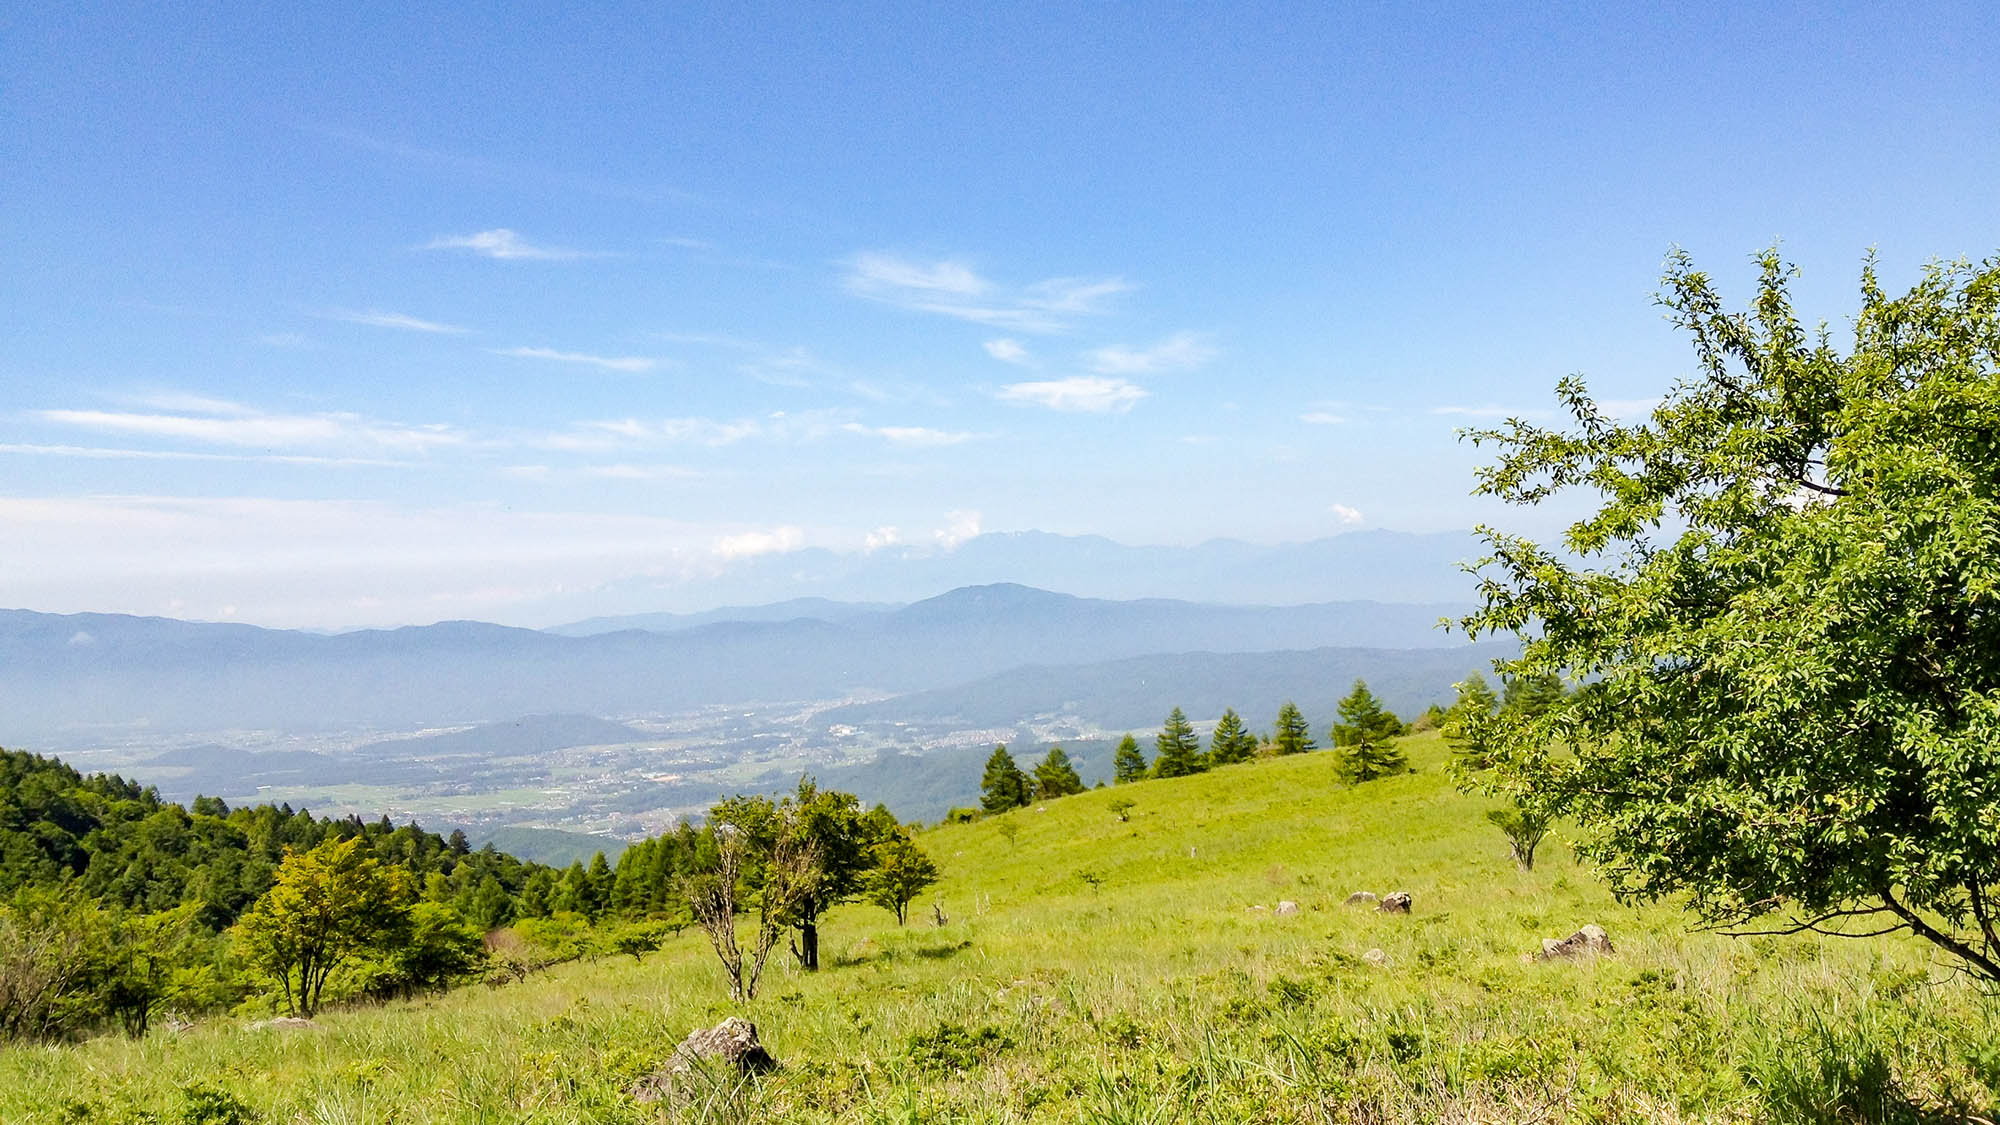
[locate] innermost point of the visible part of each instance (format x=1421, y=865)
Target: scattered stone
x=284, y=1023
x=1588, y=941
x=733, y=1043
x=1397, y=902
x=1376, y=958
x=1288, y=907
x=1362, y=898
x=1254, y=909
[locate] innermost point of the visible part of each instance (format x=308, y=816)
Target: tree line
x=1364, y=739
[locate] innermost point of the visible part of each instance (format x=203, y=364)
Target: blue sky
x=358, y=313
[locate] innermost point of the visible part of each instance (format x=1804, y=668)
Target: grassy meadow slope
x=1103, y=971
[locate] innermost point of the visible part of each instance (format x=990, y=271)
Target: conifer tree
x=1179, y=752
x=1531, y=695
x=1231, y=742
x=1466, y=724
x=1004, y=786
x=1365, y=738
x=1055, y=776
x=1128, y=764
x=1292, y=734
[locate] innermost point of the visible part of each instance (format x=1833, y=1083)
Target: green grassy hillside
x=1104, y=971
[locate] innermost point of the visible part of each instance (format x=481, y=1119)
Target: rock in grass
x=733, y=1043
x=284, y=1023
x=1362, y=898
x=1376, y=958
x=1589, y=941
x=1395, y=903
x=1288, y=907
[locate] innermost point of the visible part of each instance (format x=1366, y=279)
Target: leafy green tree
x=1524, y=829
x=1779, y=610
x=327, y=904
x=1177, y=752
x=1231, y=740
x=835, y=839
x=1055, y=777
x=1292, y=734
x=1004, y=786
x=1365, y=738
x=902, y=872
x=1128, y=764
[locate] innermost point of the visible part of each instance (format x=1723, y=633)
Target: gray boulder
x=1362, y=898
x=732, y=1043
x=1590, y=941
x=1288, y=907
x=1397, y=902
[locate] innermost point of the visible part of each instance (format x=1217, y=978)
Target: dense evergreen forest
x=116, y=906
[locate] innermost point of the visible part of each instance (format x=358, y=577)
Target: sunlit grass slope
x=1106, y=971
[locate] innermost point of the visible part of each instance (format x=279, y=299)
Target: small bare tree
x=751, y=840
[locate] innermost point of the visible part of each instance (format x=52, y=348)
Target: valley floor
x=1095, y=970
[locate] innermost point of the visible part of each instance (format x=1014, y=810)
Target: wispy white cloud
x=1345, y=514
x=623, y=364
x=959, y=526
x=881, y=537
x=337, y=563
x=955, y=289
x=507, y=246
x=921, y=436
x=110, y=454
x=641, y=472
x=606, y=435
x=1183, y=351
x=1322, y=418
x=239, y=427
x=749, y=544
x=1009, y=351
x=1094, y=394
x=403, y=321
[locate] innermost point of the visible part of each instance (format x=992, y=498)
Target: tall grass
x=1154, y=994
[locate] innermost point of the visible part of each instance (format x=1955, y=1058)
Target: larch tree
x=1231, y=741
x=1003, y=786
x=1365, y=738
x=1128, y=764
x=1292, y=734
x=1055, y=776
x=1177, y=752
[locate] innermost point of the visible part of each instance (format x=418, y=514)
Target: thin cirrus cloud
x=954, y=289
x=1183, y=351
x=1083, y=394
x=1009, y=351
x=622, y=364
x=922, y=437
x=400, y=321
x=505, y=245
x=232, y=424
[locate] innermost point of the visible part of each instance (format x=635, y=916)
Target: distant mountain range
x=1382, y=566
x=65, y=678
